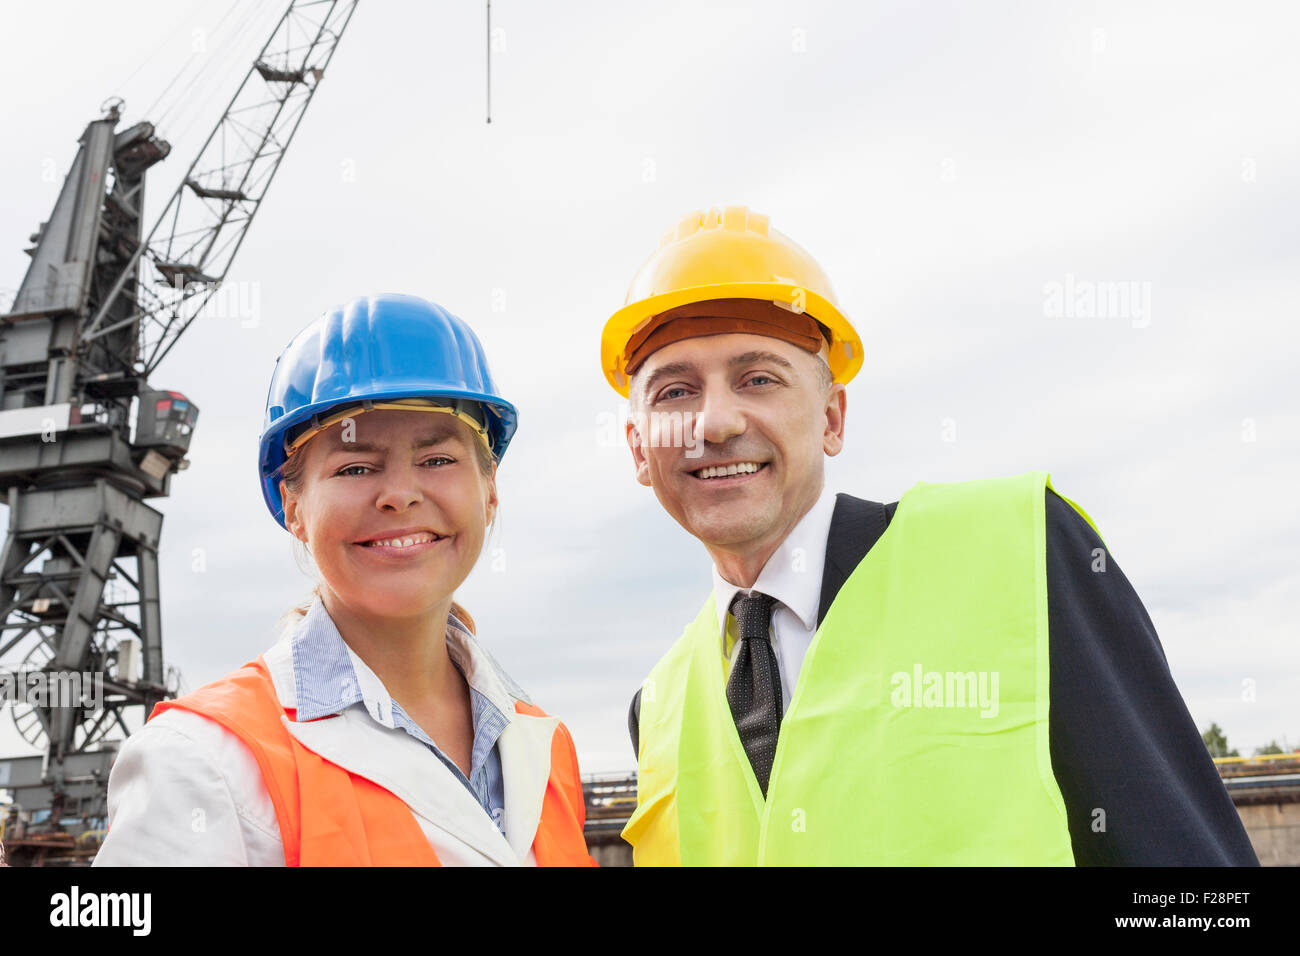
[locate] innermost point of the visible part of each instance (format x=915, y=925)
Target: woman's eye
x=355, y=471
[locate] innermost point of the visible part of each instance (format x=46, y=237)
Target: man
x=963, y=676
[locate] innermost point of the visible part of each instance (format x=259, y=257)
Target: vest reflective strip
x=347, y=819
x=917, y=730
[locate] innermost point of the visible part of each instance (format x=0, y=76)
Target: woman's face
x=392, y=474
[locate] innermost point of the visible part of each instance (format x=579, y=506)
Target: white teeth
x=724, y=471
x=406, y=542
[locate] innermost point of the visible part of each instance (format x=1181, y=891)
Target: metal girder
x=188, y=252
x=58, y=279
x=82, y=533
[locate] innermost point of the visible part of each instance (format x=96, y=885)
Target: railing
x=1258, y=758
x=610, y=798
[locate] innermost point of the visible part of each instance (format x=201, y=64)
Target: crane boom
x=189, y=250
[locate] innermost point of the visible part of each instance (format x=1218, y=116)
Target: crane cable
x=213, y=69
x=189, y=62
x=163, y=43
x=234, y=51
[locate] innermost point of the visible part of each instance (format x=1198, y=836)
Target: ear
x=836, y=406
x=637, y=444
x=292, y=517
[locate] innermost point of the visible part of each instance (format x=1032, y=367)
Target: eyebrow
x=683, y=368
x=759, y=356
x=664, y=371
x=426, y=442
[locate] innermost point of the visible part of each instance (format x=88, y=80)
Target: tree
x=1217, y=743
x=1272, y=748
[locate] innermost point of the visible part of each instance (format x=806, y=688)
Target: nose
x=720, y=416
x=401, y=488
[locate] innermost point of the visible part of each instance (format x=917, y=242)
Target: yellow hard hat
x=730, y=253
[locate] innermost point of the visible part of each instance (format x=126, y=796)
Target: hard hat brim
x=845, y=350
x=271, y=457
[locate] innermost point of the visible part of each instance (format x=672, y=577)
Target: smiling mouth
x=399, y=544
x=741, y=469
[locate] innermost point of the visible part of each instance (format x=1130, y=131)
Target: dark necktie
x=754, y=687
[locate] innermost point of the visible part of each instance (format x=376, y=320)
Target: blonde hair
x=292, y=471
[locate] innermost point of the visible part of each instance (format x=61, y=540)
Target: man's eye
x=440, y=460
x=670, y=393
x=759, y=379
x=350, y=467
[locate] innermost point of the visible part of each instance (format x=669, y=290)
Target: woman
x=376, y=731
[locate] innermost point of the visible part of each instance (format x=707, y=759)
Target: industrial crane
x=85, y=439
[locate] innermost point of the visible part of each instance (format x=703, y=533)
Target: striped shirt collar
x=329, y=677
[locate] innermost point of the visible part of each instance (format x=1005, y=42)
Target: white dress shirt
x=185, y=790
x=793, y=577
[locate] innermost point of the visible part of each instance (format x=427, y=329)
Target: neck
x=742, y=568
x=408, y=654
x=741, y=564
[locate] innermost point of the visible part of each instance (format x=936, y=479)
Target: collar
x=793, y=574
x=329, y=677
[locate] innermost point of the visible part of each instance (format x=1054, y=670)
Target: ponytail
x=295, y=614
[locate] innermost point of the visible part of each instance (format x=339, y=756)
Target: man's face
x=734, y=400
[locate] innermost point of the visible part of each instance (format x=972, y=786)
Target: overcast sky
x=954, y=167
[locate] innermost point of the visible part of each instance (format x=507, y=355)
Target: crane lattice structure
x=84, y=438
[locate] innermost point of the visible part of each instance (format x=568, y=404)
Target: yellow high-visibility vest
x=917, y=731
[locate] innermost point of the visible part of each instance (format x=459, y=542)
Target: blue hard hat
x=376, y=347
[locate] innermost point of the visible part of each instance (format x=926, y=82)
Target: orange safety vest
x=330, y=816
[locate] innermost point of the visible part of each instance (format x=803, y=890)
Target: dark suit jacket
x=1121, y=738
